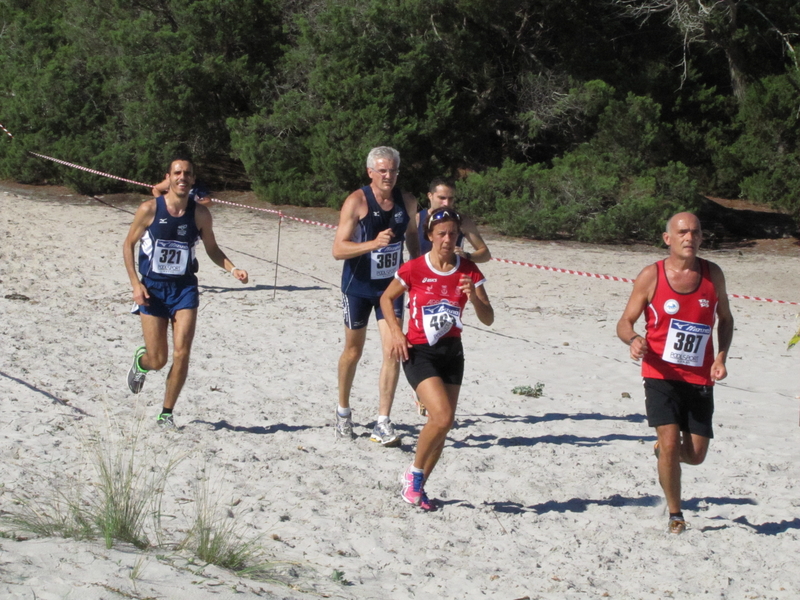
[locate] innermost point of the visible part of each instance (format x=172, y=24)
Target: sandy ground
x=549, y=497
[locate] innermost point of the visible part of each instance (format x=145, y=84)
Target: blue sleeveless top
x=368, y=275
x=425, y=244
x=167, y=247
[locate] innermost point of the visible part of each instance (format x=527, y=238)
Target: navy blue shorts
x=167, y=298
x=357, y=310
x=687, y=405
x=444, y=360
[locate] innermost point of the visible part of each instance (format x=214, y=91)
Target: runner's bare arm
x=480, y=301
x=724, y=324
x=481, y=253
x=412, y=241
x=160, y=189
x=202, y=217
x=141, y=221
x=354, y=209
x=643, y=289
x=398, y=343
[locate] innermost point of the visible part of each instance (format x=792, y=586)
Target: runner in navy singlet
x=167, y=229
x=439, y=285
x=682, y=296
x=373, y=224
x=442, y=194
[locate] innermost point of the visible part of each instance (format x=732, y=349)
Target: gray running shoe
x=385, y=435
x=165, y=421
x=136, y=375
x=343, y=427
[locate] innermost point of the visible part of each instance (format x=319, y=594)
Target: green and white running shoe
x=165, y=421
x=136, y=375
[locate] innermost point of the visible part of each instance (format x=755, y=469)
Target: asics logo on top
x=429, y=279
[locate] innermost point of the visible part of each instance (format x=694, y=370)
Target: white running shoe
x=384, y=434
x=343, y=427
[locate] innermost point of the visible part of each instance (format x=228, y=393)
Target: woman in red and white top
x=439, y=285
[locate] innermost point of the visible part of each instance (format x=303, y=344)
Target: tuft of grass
x=112, y=499
x=526, y=390
x=217, y=537
x=62, y=515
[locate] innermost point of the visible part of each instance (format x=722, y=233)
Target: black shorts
x=444, y=360
x=687, y=405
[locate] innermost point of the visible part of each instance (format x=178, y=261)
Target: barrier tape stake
x=277, y=256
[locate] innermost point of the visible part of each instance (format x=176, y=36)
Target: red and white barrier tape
x=275, y=212
x=74, y=166
x=763, y=299
x=625, y=279
x=557, y=270
x=328, y=226
x=7, y=131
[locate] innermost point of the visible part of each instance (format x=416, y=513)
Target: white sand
x=552, y=497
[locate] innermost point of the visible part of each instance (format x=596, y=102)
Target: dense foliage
x=581, y=118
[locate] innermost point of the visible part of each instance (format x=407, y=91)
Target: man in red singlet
x=682, y=295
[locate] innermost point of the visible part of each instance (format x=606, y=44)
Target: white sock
x=416, y=470
x=382, y=418
x=343, y=412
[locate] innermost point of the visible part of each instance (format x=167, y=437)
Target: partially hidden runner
x=681, y=297
x=167, y=229
x=439, y=285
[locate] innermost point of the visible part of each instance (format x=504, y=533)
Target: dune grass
x=218, y=537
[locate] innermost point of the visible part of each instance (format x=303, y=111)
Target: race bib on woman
x=170, y=257
x=384, y=262
x=438, y=319
x=686, y=343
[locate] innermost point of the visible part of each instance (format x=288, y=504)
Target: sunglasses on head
x=442, y=214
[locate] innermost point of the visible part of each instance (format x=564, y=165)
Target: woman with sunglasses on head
x=439, y=285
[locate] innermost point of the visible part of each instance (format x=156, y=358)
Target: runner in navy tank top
x=373, y=224
x=682, y=296
x=442, y=194
x=167, y=229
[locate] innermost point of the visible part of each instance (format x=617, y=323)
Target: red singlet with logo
x=679, y=328
x=435, y=298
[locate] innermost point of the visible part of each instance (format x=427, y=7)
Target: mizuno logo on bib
x=686, y=343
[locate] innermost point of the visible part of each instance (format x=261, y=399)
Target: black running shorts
x=444, y=360
x=688, y=405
